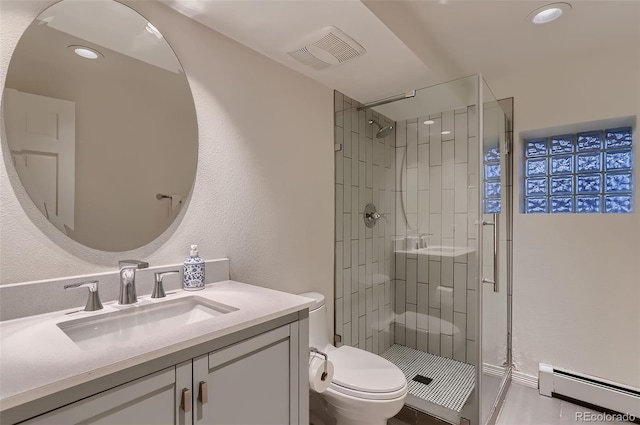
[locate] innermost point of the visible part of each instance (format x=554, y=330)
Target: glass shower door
x=408, y=286
x=434, y=248
x=494, y=369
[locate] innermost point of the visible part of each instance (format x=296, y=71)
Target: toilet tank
x=318, y=322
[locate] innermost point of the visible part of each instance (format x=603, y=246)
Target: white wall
x=263, y=193
x=576, y=294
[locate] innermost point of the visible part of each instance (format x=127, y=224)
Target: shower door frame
x=507, y=106
x=507, y=210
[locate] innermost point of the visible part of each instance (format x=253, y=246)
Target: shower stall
x=423, y=242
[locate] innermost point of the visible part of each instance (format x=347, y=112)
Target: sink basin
x=140, y=321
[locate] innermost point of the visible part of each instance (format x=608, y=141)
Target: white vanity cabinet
x=255, y=380
x=148, y=400
x=249, y=383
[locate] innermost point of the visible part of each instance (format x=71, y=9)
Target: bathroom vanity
x=236, y=354
x=231, y=353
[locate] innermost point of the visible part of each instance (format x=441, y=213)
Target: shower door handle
x=496, y=256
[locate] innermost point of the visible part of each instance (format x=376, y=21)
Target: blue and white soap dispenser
x=193, y=271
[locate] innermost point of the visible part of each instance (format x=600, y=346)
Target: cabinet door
x=253, y=382
x=148, y=400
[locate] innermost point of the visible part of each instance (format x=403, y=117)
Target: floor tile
x=491, y=388
x=524, y=406
x=568, y=413
x=395, y=421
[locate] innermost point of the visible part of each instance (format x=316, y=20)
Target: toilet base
x=318, y=414
x=349, y=410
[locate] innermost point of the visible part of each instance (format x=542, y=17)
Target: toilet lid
x=366, y=372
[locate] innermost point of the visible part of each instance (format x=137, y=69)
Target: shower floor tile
x=452, y=381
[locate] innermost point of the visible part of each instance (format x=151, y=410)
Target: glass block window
x=590, y=172
x=492, y=187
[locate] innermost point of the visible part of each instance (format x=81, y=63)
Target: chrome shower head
x=383, y=131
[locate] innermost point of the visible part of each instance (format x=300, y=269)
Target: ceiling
x=274, y=28
x=413, y=44
x=496, y=38
x=132, y=39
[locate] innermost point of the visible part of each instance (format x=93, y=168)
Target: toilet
x=366, y=389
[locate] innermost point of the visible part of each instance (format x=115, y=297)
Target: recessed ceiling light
x=86, y=52
x=445, y=132
x=429, y=122
x=549, y=13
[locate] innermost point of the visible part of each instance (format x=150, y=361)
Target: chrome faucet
x=425, y=240
x=128, y=280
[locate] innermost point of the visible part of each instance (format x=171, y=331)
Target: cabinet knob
x=204, y=392
x=186, y=400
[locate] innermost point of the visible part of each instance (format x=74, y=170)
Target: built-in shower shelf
x=451, y=381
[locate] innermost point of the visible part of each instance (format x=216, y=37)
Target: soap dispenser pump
x=193, y=271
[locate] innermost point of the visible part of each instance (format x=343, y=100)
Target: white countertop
x=37, y=358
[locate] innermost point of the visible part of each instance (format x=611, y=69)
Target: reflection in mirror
x=100, y=120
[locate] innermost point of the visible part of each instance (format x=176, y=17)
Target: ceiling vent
x=327, y=47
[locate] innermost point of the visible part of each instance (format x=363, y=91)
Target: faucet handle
x=93, y=302
x=158, y=289
x=424, y=239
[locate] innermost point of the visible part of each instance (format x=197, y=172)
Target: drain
x=422, y=379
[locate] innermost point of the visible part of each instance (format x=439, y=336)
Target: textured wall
x=263, y=190
x=576, y=283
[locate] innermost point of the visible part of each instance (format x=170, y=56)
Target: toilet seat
x=366, y=395
x=361, y=374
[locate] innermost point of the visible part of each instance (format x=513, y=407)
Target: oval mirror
x=100, y=123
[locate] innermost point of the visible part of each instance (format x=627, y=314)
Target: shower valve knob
x=371, y=215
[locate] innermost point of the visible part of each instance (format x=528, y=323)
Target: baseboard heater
x=589, y=391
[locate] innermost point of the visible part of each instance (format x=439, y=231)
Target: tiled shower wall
x=435, y=299
x=364, y=266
